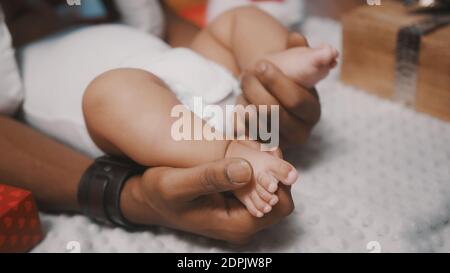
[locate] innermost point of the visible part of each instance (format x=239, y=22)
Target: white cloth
x=145, y=15
x=57, y=70
x=11, y=89
x=287, y=12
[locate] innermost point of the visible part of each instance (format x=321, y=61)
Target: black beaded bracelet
x=100, y=188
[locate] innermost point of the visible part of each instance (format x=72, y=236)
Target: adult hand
x=299, y=107
x=193, y=200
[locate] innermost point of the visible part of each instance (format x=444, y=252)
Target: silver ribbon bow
x=424, y=4
x=408, y=48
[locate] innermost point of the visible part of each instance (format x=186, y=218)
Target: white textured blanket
x=375, y=174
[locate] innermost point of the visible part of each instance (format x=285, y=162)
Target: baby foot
x=259, y=196
x=307, y=66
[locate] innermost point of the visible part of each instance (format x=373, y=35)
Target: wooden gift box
x=334, y=9
x=369, y=56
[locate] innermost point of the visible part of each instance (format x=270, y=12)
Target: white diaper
x=56, y=72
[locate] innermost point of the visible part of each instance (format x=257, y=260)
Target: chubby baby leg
x=241, y=37
x=128, y=112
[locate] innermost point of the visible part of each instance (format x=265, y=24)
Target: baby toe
x=284, y=172
x=264, y=194
x=259, y=203
x=274, y=200
x=324, y=55
x=335, y=53
x=268, y=182
x=248, y=202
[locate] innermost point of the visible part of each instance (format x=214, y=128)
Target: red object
x=195, y=14
x=20, y=228
x=267, y=0
x=195, y=11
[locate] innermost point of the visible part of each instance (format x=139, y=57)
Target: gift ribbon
x=408, y=49
x=440, y=4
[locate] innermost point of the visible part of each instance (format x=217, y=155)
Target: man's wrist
x=133, y=203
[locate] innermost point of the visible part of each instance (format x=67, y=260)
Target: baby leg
x=240, y=38
x=128, y=112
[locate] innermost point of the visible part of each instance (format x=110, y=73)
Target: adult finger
x=293, y=129
x=298, y=100
x=219, y=176
x=237, y=225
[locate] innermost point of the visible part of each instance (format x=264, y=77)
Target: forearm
x=52, y=172
x=48, y=169
x=179, y=32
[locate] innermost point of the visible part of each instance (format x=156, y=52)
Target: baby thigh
x=128, y=112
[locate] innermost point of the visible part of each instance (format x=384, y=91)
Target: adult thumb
x=218, y=176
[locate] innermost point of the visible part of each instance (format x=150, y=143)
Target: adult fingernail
x=239, y=172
